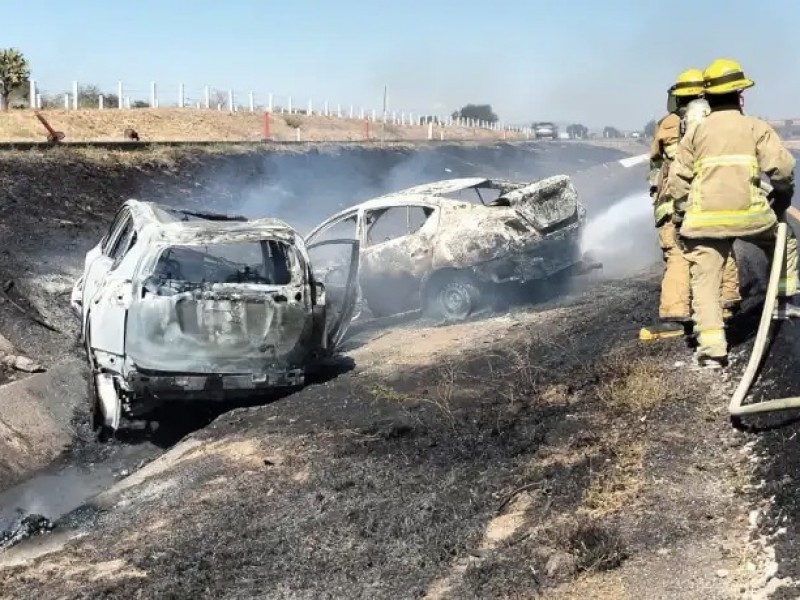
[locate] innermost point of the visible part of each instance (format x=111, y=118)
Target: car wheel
x=102, y=432
x=455, y=297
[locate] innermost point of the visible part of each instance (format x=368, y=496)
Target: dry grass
x=636, y=386
x=195, y=125
x=615, y=486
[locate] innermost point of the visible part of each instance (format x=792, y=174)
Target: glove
x=653, y=190
x=677, y=218
x=781, y=196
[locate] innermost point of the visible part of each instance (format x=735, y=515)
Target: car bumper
x=213, y=387
x=545, y=260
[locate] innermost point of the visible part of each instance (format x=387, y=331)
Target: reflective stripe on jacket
x=662, y=153
x=718, y=166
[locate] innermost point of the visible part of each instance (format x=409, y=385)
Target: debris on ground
x=29, y=526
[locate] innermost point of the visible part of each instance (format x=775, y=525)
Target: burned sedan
x=184, y=306
x=446, y=246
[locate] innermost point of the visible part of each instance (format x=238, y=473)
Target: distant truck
x=545, y=130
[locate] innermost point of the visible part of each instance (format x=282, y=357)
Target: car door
x=106, y=295
x=335, y=263
x=397, y=253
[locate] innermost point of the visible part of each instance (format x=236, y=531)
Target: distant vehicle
x=545, y=130
x=443, y=247
x=186, y=306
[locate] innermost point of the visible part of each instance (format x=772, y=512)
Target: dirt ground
x=165, y=124
x=542, y=452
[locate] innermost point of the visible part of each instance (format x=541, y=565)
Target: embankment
x=55, y=204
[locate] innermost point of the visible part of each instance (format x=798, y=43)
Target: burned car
x=183, y=306
x=444, y=247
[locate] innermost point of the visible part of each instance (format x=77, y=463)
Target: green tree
x=479, y=112
x=89, y=97
x=650, y=129
x=14, y=73
x=611, y=132
x=577, y=131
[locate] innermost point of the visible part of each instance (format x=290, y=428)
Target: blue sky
x=601, y=62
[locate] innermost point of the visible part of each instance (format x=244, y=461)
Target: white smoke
x=623, y=237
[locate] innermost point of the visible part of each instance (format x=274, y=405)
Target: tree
x=577, y=131
x=650, y=129
x=89, y=97
x=14, y=73
x=611, y=132
x=479, y=112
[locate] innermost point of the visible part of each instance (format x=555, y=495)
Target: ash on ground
x=29, y=526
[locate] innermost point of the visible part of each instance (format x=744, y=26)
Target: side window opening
x=343, y=230
x=112, y=229
x=120, y=244
x=391, y=223
x=128, y=242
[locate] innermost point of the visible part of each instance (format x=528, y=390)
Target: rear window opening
x=266, y=262
x=487, y=194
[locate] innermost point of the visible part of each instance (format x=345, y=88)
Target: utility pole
x=383, y=130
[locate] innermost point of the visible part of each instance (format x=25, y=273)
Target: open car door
x=335, y=264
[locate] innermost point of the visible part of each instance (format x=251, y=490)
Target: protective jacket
x=662, y=153
x=717, y=170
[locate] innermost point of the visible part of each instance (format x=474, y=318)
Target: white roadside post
x=327, y=112
x=181, y=96
x=230, y=100
x=430, y=130
x=39, y=101
x=66, y=101
x=269, y=102
x=32, y=94
x=339, y=110
x=128, y=102
x=289, y=104
x=252, y=102
x=153, y=95
x=310, y=107
x=207, y=98
x=75, y=95
x=120, y=97
x=100, y=101
x=351, y=111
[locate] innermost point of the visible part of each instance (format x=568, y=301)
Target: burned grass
x=503, y=471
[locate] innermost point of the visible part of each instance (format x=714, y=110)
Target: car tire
x=454, y=297
x=102, y=432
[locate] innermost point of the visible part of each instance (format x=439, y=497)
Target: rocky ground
x=542, y=452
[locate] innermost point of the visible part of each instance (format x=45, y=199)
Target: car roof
x=428, y=193
x=180, y=223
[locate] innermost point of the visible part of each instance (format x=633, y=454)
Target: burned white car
x=185, y=306
x=446, y=246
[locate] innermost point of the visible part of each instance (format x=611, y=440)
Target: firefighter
x=685, y=104
x=715, y=183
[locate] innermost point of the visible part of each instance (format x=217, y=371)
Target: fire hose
x=737, y=408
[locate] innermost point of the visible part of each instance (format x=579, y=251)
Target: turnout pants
x=675, y=302
x=707, y=258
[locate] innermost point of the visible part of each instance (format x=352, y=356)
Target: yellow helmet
x=688, y=83
x=724, y=76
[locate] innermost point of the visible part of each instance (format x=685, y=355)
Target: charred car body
x=445, y=246
x=176, y=305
